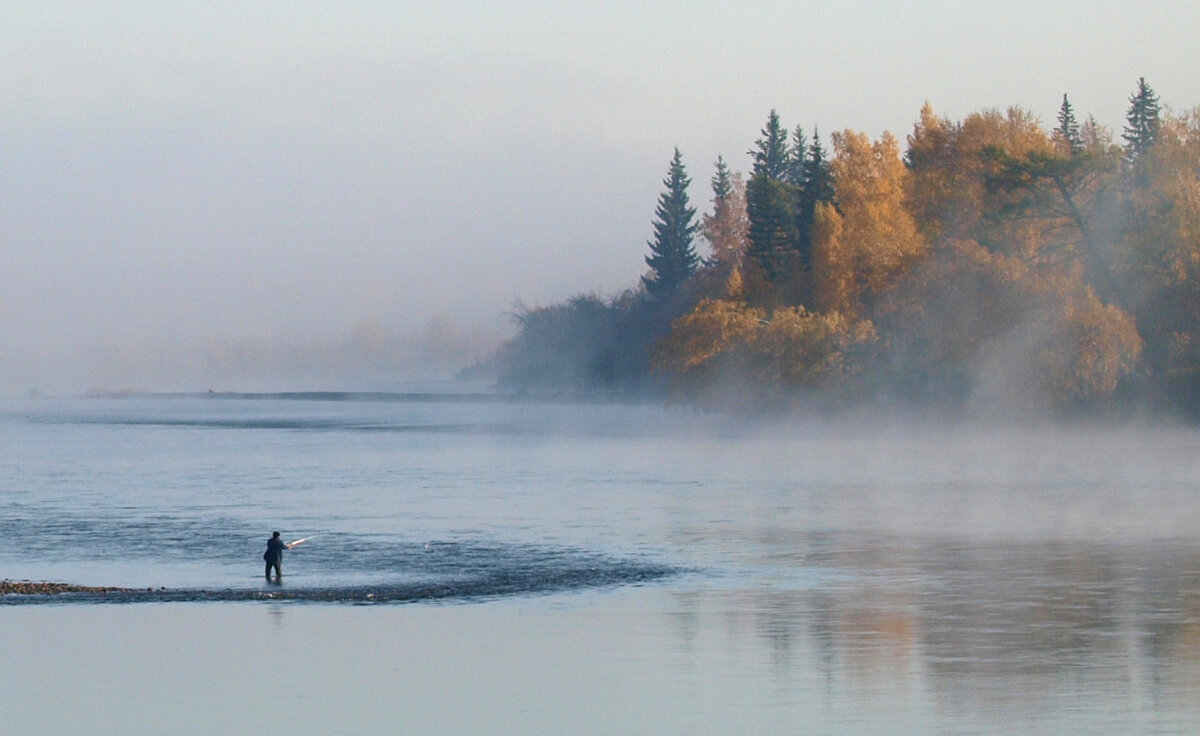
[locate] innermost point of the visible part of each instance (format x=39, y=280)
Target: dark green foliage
x=672, y=258
x=818, y=174
x=1071, y=189
x=1142, y=120
x=780, y=202
x=586, y=344
x=770, y=152
x=796, y=158
x=815, y=186
x=771, y=208
x=564, y=347
x=722, y=181
x=1068, y=128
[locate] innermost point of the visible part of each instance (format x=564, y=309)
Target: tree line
x=991, y=261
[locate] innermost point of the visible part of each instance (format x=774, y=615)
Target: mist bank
x=995, y=267
x=373, y=355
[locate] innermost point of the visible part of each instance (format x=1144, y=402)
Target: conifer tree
x=796, y=158
x=722, y=180
x=725, y=229
x=1142, y=121
x=814, y=185
x=817, y=179
x=771, y=204
x=771, y=210
x=1068, y=129
x=771, y=150
x=672, y=257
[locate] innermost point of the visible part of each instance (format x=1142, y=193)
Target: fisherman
x=274, y=556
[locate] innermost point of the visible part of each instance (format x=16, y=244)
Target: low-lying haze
x=226, y=195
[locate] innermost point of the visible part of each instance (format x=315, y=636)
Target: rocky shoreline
x=29, y=587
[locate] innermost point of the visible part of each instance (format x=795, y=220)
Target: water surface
x=505, y=567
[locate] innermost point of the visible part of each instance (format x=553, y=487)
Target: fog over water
x=507, y=568
x=198, y=193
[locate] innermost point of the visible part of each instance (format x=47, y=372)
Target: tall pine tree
x=771, y=209
x=814, y=186
x=796, y=158
x=1141, y=122
x=770, y=152
x=1068, y=129
x=790, y=177
x=672, y=256
x=817, y=180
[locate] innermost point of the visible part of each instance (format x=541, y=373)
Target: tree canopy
x=990, y=262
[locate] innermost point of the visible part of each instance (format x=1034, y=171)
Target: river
x=486, y=566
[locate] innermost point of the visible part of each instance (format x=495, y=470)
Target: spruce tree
x=725, y=229
x=672, y=256
x=771, y=209
x=796, y=157
x=1068, y=128
x=818, y=173
x=770, y=152
x=1141, y=122
x=815, y=185
x=722, y=181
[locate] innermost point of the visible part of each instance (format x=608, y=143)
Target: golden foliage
x=951, y=166
x=1165, y=242
x=869, y=240
x=963, y=296
x=714, y=327
x=724, y=341
x=986, y=257
x=933, y=171
x=835, y=286
x=1092, y=348
x=726, y=229
x=1161, y=241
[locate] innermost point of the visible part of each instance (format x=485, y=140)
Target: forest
x=990, y=263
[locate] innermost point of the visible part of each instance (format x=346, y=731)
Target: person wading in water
x=274, y=556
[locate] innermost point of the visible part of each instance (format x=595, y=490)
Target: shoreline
x=31, y=587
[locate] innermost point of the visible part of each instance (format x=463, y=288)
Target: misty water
x=500, y=567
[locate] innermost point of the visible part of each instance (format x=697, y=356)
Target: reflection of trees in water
x=977, y=624
x=1057, y=619
x=1171, y=637
x=1022, y=610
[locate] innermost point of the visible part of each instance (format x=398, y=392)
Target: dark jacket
x=275, y=548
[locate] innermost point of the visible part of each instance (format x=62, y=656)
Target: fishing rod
x=300, y=541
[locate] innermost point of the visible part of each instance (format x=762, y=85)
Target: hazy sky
x=181, y=177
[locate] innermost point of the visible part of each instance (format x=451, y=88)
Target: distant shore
x=408, y=397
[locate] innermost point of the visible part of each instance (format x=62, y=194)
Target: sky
x=253, y=195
